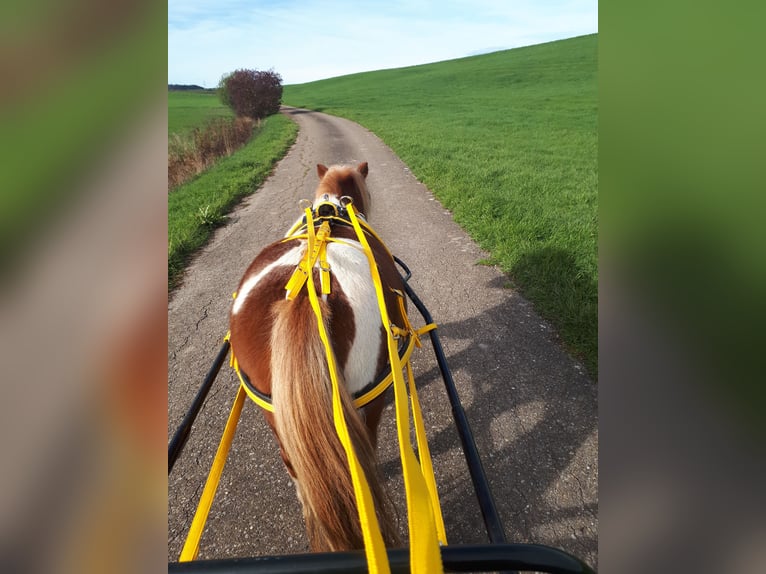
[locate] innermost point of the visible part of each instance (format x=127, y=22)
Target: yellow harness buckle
x=316, y=249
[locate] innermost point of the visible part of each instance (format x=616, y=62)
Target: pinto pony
x=277, y=345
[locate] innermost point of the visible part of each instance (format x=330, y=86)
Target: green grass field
x=197, y=207
x=508, y=142
x=188, y=110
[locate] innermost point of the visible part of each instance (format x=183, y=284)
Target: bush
x=251, y=93
x=194, y=153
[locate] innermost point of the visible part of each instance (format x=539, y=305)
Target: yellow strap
x=256, y=399
x=329, y=239
x=381, y=387
x=315, y=249
x=375, y=392
x=366, y=226
x=375, y=550
x=359, y=401
x=298, y=277
x=425, y=328
x=296, y=226
x=324, y=269
x=191, y=546
x=425, y=556
x=406, y=319
x=424, y=454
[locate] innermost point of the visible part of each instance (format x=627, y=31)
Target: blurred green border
x=683, y=186
x=61, y=129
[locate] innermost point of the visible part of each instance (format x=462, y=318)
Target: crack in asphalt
x=204, y=315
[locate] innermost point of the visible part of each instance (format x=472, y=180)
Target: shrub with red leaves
x=252, y=93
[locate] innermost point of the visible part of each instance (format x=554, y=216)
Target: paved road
x=531, y=406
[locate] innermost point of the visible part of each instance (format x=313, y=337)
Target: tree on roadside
x=251, y=93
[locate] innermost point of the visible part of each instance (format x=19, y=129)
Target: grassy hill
x=508, y=142
x=191, y=109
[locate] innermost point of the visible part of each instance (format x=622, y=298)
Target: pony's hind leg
x=269, y=417
x=372, y=415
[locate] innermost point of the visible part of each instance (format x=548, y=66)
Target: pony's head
x=339, y=182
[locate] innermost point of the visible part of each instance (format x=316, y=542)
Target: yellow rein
x=424, y=518
x=425, y=522
x=375, y=549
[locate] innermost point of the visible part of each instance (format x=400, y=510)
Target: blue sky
x=315, y=39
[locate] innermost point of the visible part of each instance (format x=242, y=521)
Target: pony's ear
x=363, y=168
x=321, y=170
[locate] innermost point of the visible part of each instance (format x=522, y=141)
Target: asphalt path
x=532, y=407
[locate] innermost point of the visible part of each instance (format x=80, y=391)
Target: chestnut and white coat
x=276, y=342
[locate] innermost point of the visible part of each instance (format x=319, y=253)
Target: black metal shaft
x=492, y=521
x=182, y=434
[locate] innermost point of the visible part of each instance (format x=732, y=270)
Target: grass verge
x=193, y=154
x=197, y=207
x=508, y=142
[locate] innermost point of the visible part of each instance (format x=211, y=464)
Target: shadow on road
x=533, y=412
x=298, y=111
x=561, y=289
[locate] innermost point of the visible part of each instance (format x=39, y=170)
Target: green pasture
x=508, y=142
x=188, y=110
x=197, y=207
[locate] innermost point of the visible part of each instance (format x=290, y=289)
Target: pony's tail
x=302, y=397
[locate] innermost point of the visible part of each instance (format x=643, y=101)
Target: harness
x=327, y=215
x=327, y=210
x=424, y=517
x=366, y=395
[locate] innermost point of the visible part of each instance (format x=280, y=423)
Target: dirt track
x=532, y=408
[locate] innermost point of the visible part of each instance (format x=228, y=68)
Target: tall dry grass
x=192, y=153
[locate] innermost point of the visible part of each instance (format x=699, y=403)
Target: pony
x=277, y=345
